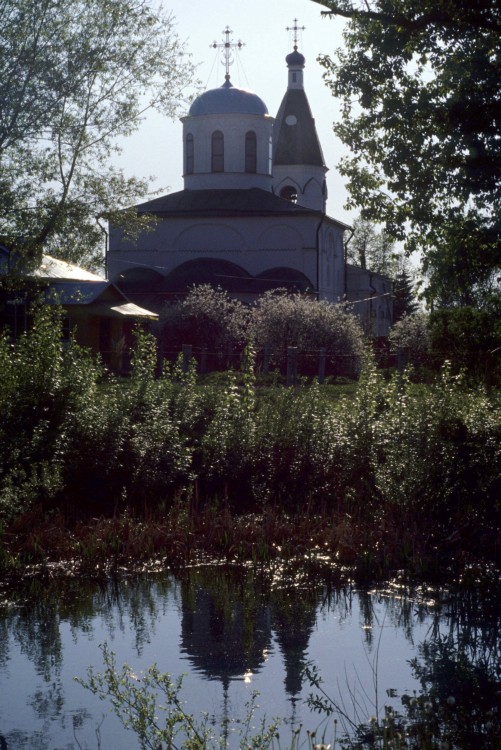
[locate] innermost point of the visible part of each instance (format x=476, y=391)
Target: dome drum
x=227, y=136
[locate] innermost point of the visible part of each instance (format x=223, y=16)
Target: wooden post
x=321, y=366
x=187, y=356
x=291, y=365
x=402, y=358
x=266, y=359
x=203, y=360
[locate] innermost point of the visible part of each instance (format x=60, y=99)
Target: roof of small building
x=228, y=99
x=54, y=268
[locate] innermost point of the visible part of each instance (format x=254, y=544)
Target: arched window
x=250, y=152
x=190, y=153
x=289, y=193
x=217, y=164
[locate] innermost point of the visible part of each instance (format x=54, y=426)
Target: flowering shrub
x=281, y=320
x=411, y=335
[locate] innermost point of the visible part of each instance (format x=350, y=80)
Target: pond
x=231, y=631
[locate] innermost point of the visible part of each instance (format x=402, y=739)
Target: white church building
x=252, y=214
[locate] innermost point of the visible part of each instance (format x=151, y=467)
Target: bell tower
x=298, y=164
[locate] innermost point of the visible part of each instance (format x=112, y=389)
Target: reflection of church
x=229, y=624
x=252, y=214
x=223, y=642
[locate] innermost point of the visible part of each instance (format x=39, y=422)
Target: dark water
x=231, y=631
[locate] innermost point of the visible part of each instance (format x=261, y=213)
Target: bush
x=411, y=337
x=43, y=387
x=207, y=317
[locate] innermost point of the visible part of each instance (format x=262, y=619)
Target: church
x=252, y=214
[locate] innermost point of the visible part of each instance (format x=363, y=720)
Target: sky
x=156, y=149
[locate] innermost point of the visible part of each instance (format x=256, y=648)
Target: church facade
x=252, y=214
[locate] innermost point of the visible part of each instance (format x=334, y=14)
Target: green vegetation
x=407, y=475
x=418, y=84
x=73, y=79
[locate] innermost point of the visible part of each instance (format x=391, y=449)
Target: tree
x=73, y=77
x=419, y=82
x=371, y=249
x=469, y=339
x=404, y=300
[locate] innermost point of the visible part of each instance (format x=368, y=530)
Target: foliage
x=419, y=82
x=73, y=78
x=150, y=705
x=416, y=462
x=206, y=317
x=469, y=338
x=371, y=249
x=281, y=320
x=42, y=387
x=411, y=336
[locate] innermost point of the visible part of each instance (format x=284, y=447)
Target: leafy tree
x=371, y=249
x=469, y=338
x=419, y=81
x=73, y=77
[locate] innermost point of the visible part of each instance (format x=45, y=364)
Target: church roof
x=296, y=141
x=228, y=99
x=222, y=203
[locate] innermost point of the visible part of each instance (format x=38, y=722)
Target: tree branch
x=437, y=18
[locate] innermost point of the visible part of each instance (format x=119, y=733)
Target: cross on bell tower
x=296, y=29
x=227, y=46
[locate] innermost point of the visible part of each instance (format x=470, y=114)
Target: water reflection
x=230, y=625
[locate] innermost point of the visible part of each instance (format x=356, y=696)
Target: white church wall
x=331, y=263
x=255, y=244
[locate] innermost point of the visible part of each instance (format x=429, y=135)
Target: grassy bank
x=386, y=475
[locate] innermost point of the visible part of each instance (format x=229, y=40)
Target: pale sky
x=261, y=25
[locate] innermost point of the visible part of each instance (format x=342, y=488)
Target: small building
x=96, y=312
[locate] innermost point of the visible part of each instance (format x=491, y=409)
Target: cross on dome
x=227, y=46
x=295, y=29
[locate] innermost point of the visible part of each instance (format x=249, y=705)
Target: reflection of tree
x=33, y=620
x=460, y=693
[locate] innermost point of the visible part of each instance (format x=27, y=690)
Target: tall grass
x=395, y=458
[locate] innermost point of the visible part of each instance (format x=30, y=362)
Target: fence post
x=402, y=358
x=266, y=359
x=291, y=365
x=187, y=356
x=321, y=366
x=203, y=360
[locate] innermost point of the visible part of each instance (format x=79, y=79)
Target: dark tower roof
x=296, y=140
